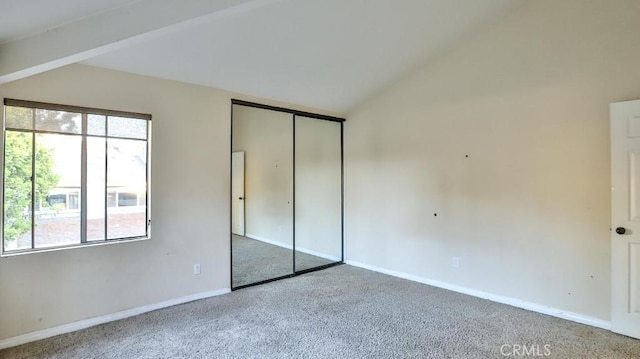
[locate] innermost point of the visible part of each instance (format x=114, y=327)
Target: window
x=127, y=199
x=72, y=202
x=73, y=176
x=57, y=199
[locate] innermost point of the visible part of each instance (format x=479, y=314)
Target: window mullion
x=33, y=190
x=106, y=177
x=33, y=180
x=147, y=195
x=83, y=182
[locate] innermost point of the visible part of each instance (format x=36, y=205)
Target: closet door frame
x=294, y=113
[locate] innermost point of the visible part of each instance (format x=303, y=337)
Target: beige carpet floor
x=340, y=312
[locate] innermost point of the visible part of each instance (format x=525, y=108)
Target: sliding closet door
x=262, y=195
x=318, y=192
x=286, y=193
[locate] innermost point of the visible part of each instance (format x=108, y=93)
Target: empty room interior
x=320, y=179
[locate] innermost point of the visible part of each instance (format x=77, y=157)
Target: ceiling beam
x=108, y=31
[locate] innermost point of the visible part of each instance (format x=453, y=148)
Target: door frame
x=244, y=195
x=294, y=113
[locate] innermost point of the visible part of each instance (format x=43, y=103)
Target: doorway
x=237, y=196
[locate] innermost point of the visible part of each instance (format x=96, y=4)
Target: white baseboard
x=269, y=241
x=559, y=313
x=298, y=249
x=318, y=254
x=86, y=323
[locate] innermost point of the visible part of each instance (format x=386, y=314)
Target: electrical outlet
x=455, y=262
x=196, y=268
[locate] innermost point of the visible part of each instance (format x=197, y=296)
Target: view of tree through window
x=73, y=176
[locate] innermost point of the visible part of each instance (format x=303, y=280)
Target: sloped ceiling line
x=109, y=31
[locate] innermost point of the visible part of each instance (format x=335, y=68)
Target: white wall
x=527, y=212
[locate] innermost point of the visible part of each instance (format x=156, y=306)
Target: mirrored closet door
x=286, y=193
x=318, y=189
x=262, y=188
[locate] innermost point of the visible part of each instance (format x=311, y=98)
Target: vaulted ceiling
x=326, y=54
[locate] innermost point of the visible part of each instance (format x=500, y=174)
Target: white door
x=625, y=218
x=237, y=193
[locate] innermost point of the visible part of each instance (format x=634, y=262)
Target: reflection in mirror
x=318, y=188
x=262, y=195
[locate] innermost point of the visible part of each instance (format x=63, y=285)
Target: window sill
x=73, y=246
